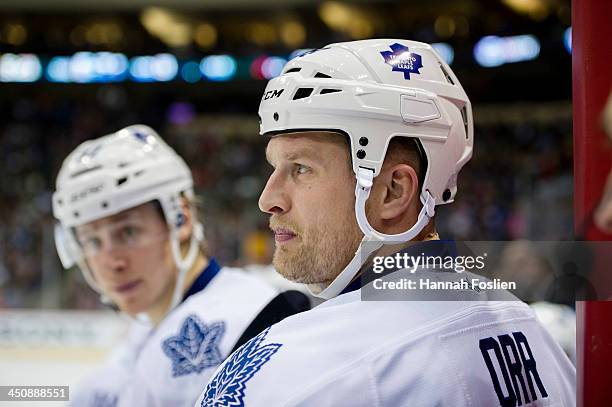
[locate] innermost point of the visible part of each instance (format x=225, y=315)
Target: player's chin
x=294, y=272
x=130, y=305
x=285, y=253
x=287, y=268
x=280, y=263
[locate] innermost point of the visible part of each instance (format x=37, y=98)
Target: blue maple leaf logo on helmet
x=402, y=60
x=227, y=388
x=141, y=136
x=195, y=348
x=90, y=152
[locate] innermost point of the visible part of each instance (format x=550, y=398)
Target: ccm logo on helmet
x=272, y=94
x=86, y=192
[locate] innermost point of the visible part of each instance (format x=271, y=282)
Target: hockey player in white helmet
x=124, y=203
x=366, y=140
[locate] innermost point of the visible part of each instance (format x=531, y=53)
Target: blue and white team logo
x=142, y=137
x=195, y=348
x=90, y=152
x=402, y=60
x=227, y=388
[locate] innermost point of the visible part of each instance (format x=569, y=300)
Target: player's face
x=130, y=257
x=310, y=197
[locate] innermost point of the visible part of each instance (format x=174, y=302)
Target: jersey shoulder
x=387, y=353
x=191, y=342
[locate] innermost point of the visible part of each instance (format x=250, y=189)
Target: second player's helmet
x=373, y=91
x=116, y=172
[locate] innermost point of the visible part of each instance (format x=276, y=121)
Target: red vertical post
x=592, y=82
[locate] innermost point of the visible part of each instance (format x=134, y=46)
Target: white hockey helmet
x=373, y=91
x=116, y=172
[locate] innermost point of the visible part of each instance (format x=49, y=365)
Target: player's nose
x=115, y=261
x=274, y=198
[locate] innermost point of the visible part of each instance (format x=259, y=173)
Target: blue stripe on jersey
x=204, y=278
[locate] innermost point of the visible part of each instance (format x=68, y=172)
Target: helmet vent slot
x=326, y=91
x=302, y=93
x=321, y=75
x=122, y=180
x=465, y=121
x=86, y=170
x=294, y=70
x=446, y=75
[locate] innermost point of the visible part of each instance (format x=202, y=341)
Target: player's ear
x=397, y=191
x=186, y=229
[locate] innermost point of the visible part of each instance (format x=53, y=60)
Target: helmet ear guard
x=66, y=246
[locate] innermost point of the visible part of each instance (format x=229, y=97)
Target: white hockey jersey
x=101, y=388
x=169, y=365
x=349, y=352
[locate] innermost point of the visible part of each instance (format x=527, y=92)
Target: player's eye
x=90, y=244
x=301, y=169
x=129, y=234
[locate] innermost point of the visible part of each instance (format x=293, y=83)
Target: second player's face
x=130, y=257
x=310, y=197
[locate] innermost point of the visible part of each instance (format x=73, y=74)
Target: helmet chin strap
x=372, y=239
x=184, y=264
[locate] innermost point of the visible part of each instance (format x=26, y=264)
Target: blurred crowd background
x=195, y=71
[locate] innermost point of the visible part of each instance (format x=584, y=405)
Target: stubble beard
x=318, y=256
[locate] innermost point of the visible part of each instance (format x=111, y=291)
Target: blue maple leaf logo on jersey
x=227, y=388
x=402, y=60
x=195, y=348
